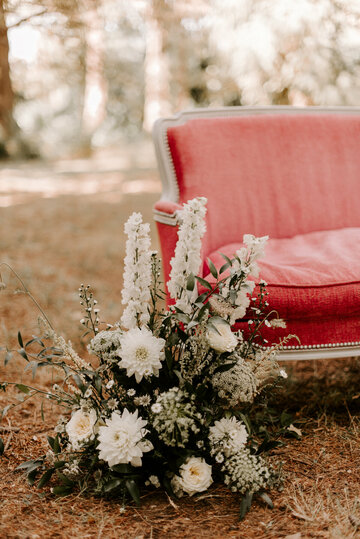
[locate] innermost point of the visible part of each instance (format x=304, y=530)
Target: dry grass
x=57, y=243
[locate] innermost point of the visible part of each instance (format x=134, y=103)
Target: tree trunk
x=157, y=89
x=95, y=87
x=6, y=91
x=11, y=141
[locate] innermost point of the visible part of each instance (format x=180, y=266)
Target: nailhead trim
x=314, y=346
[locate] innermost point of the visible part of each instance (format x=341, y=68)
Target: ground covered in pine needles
x=62, y=225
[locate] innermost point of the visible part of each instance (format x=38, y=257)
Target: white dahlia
x=228, y=436
x=122, y=439
x=220, y=337
x=82, y=427
x=194, y=476
x=141, y=353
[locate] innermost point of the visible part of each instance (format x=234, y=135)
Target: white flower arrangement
x=165, y=397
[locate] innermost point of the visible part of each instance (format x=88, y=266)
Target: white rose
x=220, y=337
x=81, y=427
x=194, y=476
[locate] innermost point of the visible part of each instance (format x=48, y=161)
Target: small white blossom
x=156, y=408
x=283, y=373
x=144, y=400
x=131, y=392
x=278, y=323
x=112, y=404
x=110, y=384
x=154, y=480
x=88, y=393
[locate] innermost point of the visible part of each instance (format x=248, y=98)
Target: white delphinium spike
x=187, y=258
x=137, y=273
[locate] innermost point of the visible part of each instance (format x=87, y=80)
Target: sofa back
x=270, y=174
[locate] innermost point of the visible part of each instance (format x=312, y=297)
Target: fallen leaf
x=295, y=429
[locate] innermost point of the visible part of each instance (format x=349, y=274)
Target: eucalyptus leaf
x=212, y=268
x=22, y=352
x=266, y=499
x=65, y=480
x=224, y=267
x=61, y=490
x=133, y=489
x=2, y=447
x=245, y=504
x=20, y=340
x=22, y=388
x=226, y=258
x=204, y=283
x=111, y=485
x=45, y=478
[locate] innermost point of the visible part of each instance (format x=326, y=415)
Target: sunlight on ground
x=109, y=174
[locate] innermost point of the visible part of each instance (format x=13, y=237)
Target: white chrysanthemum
x=141, y=353
x=194, y=476
x=187, y=258
x=122, y=439
x=82, y=427
x=137, y=273
x=228, y=436
x=220, y=337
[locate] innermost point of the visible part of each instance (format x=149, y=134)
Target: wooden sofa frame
x=170, y=193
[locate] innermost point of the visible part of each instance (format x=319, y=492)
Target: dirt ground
x=61, y=224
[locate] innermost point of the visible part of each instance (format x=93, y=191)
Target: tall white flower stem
x=137, y=273
x=187, y=258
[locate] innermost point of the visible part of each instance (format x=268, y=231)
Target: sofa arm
x=166, y=217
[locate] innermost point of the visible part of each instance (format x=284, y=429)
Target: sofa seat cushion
x=309, y=276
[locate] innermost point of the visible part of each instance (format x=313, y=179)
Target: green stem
x=27, y=291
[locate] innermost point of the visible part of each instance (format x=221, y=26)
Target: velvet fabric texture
x=295, y=178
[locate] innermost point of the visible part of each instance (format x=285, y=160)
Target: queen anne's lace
x=137, y=273
x=175, y=416
x=244, y=472
x=237, y=385
x=187, y=257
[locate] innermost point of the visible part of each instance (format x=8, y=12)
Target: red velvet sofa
x=290, y=173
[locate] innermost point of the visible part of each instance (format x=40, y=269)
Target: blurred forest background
x=82, y=74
